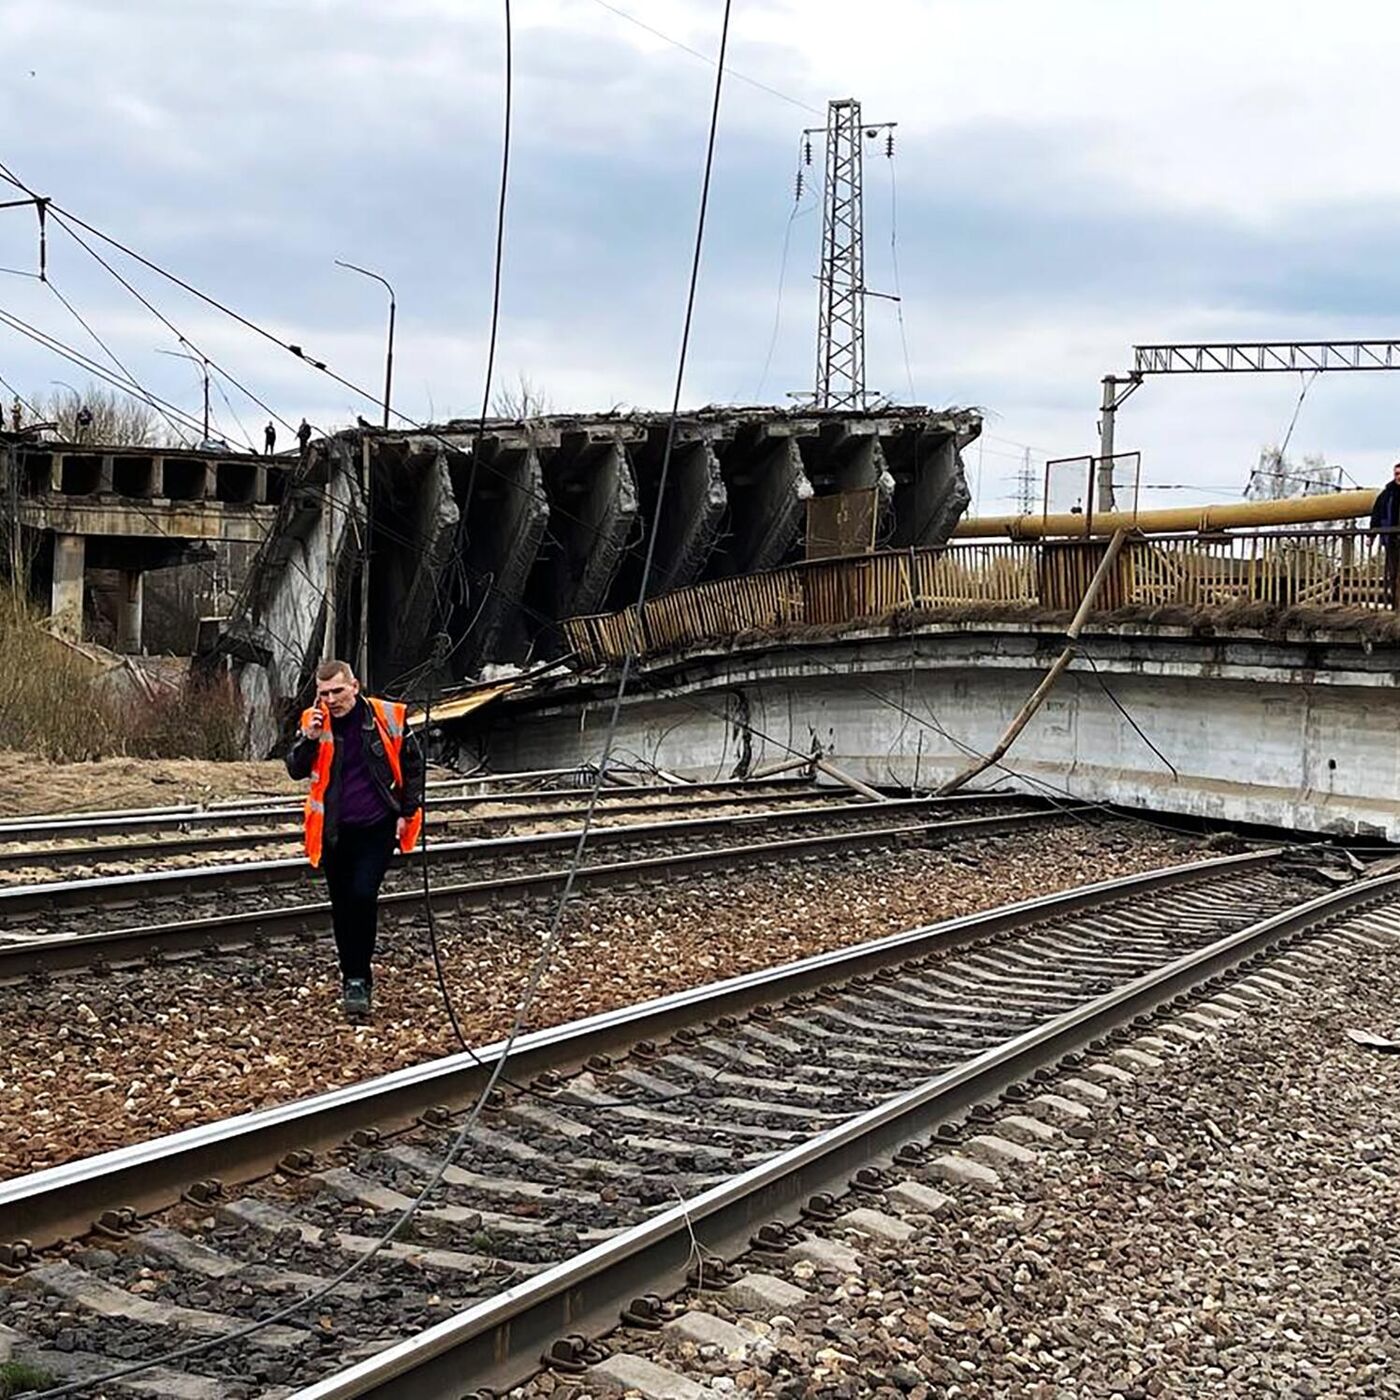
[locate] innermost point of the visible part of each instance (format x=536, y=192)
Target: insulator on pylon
x=889, y=145
x=807, y=151
x=797, y=193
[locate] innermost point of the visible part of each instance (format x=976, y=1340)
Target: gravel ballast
x=93, y=1061
x=1211, y=1214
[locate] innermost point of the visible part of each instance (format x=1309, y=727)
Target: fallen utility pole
x=1023, y=716
x=865, y=790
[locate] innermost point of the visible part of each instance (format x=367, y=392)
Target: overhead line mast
x=841, y=317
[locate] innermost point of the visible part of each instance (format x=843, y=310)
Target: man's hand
x=313, y=727
x=400, y=827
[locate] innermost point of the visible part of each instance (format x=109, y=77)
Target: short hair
x=329, y=670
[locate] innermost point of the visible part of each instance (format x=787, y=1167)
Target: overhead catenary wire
x=547, y=951
x=115, y=359
x=894, y=266
x=553, y=934
x=90, y=366
x=795, y=213
x=428, y=430
x=705, y=58
x=179, y=335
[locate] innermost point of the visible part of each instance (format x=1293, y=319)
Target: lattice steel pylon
x=841, y=317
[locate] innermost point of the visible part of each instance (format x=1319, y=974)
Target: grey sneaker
x=356, y=1000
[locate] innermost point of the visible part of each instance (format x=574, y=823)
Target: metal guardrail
x=1320, y=568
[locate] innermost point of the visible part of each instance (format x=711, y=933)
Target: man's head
x=336, y=687
x=1395, y=473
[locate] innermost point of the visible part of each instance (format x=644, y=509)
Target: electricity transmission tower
x=1025, y=485
x=841, y=318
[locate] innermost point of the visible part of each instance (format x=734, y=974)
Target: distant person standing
x=1385, y=516
x=16, y=415
x=83, y=423
x=269, y=439
x=366, y=797
x=304, y=437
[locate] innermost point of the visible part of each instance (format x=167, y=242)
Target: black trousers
x=355, y=866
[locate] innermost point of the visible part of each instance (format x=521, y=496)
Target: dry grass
x=50, y=706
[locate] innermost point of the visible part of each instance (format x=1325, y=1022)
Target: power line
x=894, y=265
x=793, y=214
x=111, y=355
x=87, y=364
x=705, y=58
x=546, y=954
x=427, y=429
x=179, y=335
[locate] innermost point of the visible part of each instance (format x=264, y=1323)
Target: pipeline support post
x=1108, y=412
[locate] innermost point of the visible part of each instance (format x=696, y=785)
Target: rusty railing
x=1281, y=568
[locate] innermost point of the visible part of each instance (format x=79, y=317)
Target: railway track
x=534, y=785
x=58, y=843
x=620, y=1145
x=29, y=913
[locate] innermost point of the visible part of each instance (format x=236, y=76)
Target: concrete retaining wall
x=1296, y=734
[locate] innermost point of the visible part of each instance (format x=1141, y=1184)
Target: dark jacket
x=301, y=758
x=1386, y=512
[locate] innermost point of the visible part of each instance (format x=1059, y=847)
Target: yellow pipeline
x=1295, y=510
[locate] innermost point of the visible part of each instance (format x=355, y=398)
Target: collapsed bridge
x=480, y=543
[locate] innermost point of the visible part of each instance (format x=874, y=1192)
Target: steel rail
x=55, y=952
x=498, y=1343
x=274, y=798
x=287, y=826
x=61, y=1201
x=278, y=809
x=99, y=890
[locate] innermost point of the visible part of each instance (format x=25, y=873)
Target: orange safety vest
x=390, y=718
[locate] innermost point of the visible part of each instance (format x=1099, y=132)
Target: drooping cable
x=179, y=335
x=705, y=58
x=115, y=359
x=894, y=265
x=546, y=954
x=794, y=214
x=374, y=397
x=89, y=365
x=1297, y=409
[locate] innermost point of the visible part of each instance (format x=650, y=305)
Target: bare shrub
x=117, y=419
x=49, y=704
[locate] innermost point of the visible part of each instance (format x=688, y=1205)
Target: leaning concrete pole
x=1023, y=716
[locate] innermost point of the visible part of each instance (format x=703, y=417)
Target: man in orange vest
x=366, y=797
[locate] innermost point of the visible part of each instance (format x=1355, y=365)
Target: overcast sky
x=1071, y=179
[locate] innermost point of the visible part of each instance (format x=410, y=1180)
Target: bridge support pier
x=66, y=604
x=130, y=602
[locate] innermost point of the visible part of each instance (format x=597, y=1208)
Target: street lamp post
x=204, y=367
x=365, y=470
x=389, y=353
x=77, y=404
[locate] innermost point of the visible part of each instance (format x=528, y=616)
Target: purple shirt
x=360, y=802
